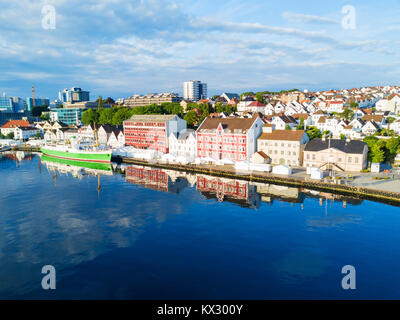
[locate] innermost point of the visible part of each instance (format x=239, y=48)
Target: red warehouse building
x=228, y=138
x=152, y=131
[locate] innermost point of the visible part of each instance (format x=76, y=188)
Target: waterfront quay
x=373, y=186
x=345, y=185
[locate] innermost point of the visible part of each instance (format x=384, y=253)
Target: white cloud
x=307, y=18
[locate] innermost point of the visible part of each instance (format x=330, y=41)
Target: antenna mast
x=33, y=97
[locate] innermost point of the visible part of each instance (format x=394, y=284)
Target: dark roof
x=352, y=147
x=108, y=127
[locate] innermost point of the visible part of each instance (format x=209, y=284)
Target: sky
x=118, y=48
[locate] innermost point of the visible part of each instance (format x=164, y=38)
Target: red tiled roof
x=15, y=123
x=256, y=104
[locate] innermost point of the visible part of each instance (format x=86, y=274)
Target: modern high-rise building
x=39, y=102
x=6, y=104
x=73, y=95
x=194, y=90
x=12, y=104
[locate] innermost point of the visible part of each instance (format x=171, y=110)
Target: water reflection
x=77, y=213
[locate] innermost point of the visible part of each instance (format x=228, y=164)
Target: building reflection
x=155, y=179
x=236, y=191
x=270, y=192
x=241, y=192
x=17, y=156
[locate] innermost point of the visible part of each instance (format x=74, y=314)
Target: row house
x=24, y=133
x=152, y=131
x=183, y=144
x=336, y=154
x=61, y=134
x=282, y=122
x=282, y=146
x=228, y=138
x=111, y=135
x=335, y=106
x=370, y=127
x=391, y=104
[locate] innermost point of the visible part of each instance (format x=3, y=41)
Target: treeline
x=260, y=95
x=195, y=113
x=382, y=150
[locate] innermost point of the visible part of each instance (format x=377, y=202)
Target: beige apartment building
x=156, y=98
x=282, y=146
x=336, y=154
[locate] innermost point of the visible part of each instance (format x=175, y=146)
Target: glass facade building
x=70, y=116
x=6, y=104
x=38, y=103
x=73, y=95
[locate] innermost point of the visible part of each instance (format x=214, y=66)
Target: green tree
x=353, y=104
x=38, y=135
x=389, y=121
x=100, y=103
x=37, y=111
x=10, y=135
x=378, y=153
x=347, y=114
x=393, y=148
x=44, y=116
x=2, y=136
x=90, y=116
x=260, y=97
x=121, y=115
x=313, y=133
x=342, y=136
x=191, y=118
x=106, y=116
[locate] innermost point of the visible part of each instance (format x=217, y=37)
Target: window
x=356, y=159
x=350, y=159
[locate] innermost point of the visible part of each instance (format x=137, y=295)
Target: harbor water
x=133, y=232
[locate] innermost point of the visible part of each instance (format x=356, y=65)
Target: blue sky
x=119, y=47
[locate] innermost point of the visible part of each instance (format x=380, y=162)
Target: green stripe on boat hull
x=93, y=157
x=84, y=164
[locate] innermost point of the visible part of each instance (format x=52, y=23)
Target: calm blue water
x=156, y=235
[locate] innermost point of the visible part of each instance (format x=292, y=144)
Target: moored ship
x=78, y=152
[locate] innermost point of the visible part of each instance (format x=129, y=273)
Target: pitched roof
x=373, y=117
x=15, y=123
x=352, y=147
x=227, y=123
x=256, y=104
x=284, y=135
